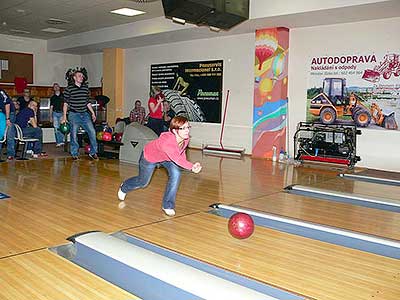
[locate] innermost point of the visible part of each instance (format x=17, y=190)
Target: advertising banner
x=193, y=89
x=361, y=89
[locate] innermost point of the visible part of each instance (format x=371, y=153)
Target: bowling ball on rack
x=65, y=128
x=105, y=127
x=241, y=225
x=107, y=136
x=118, y=137
x=99, y=135
x=87, y=148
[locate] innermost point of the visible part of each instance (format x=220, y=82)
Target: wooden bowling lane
x=351, y=217
x=374, y=190
x=234, y=180
x=44, y=275
x=308, y=267
x=52, y=199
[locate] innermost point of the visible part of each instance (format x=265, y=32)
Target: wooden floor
x=53, y=199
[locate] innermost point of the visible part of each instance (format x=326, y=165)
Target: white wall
x=262, y=8
x=238, y=55
x=48, y=67
x=377, y=148
x=94, y=65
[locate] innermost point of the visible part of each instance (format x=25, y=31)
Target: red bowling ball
x=241, y=225
x=118, y=137
x=87, y=148
x=107, y=136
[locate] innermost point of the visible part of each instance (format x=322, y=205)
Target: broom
x=220, y=150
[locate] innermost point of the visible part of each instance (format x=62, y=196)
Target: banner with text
x=361, y=89
x=193, y=89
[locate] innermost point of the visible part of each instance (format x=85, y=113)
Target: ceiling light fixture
x=19, y=31
x=54, y=21
x=144, y=1
x=53, y=30
x=127, y=12
x=215, y=29
x=178, y=20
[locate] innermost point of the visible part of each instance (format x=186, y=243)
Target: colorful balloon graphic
x=266, y=45
x=263, y=53
x=278, y=65
x=266, y=86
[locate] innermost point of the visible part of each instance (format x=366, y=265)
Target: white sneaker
x=169, y=212
x=121, y=195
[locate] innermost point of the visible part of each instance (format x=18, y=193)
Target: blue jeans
x=76, y=120
x=57, y=116
x=11, y=133
x=146, y=170
x=35, y=133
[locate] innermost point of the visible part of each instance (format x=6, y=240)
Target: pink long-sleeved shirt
x=166, y=148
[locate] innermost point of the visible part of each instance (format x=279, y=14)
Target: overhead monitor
x=223, y=14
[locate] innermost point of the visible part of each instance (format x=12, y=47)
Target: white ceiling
x=82, y=15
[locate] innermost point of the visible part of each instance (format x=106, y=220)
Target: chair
x=2, y=141
x=23, y=140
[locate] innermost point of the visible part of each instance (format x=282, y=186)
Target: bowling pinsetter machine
x=333, y=144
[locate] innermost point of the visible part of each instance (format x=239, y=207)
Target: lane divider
x=372, y=202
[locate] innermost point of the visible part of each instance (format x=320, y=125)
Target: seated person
x=168, y=114
x=24, y=100
x=3, y=126
x=138, y=113
x=16, y=105
x=27, y=120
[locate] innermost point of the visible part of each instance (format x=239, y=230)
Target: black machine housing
x=334, y=143
x=221, y=14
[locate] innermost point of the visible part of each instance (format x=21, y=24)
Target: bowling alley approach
x=190, y=150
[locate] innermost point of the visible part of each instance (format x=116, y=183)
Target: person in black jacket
x=56, y=113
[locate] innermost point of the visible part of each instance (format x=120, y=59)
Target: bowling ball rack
x=109, y=149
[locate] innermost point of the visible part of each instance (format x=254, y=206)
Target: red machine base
x=332, y=160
